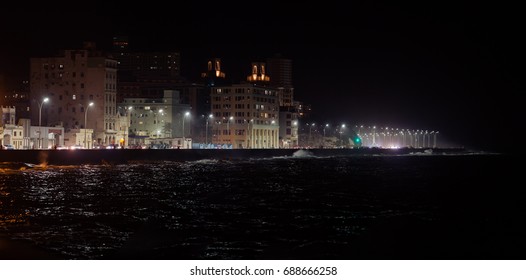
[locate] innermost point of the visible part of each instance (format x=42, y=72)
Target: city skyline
x=376, y=64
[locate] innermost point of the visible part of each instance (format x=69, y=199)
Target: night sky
x=425, y=66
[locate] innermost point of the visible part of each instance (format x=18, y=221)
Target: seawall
x=119, y=156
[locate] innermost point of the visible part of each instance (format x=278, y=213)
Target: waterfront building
x=62, y=88
x=245, y=116
x=158, y=117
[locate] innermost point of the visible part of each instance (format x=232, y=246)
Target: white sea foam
x=302, y=154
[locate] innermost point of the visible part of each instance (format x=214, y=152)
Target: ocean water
x=464, y=206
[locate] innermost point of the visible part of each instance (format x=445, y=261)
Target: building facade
x=63, y=87
x=158, y=117
x=245, y=116
x=280, y=69
x=288, y=127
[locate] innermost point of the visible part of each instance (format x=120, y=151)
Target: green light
x=357, y=139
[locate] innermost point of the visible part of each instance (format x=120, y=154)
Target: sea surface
x=460, y=206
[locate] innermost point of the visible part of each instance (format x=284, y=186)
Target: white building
x=45, y=137
x=12, y=135
x=158, y=118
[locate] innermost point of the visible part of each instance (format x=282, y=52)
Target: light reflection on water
x=273, y=208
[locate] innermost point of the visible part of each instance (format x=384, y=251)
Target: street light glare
x=46, y=99
x=91, y=104
x=187, y=114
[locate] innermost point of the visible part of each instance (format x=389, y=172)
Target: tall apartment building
x=245, y=116
x=70, y=82
x=280, y=69
x=147, y=75
x=145, y=64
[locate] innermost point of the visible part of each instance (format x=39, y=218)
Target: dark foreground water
x=354, y=207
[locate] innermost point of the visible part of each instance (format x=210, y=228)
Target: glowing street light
x=128, y=119
x=184, y=118
x=228, y=127
x=341, y=131
x=45, y=100
x=310, y=132
x=211, y=116
x=86, y=125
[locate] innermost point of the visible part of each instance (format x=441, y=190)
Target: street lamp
x=250, y=136
x=126, y=132
x=228, y=128
x=160, y=112
x=374, y=135
x=184, y=118
x=310, y=134
x=45, y=100
x=206, y=127
x=86, y=125
x=341, y=132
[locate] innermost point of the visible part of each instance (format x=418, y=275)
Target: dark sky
x=430, y=65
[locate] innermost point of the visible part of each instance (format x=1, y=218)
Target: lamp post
x=86, y=125
x=228, y=128
x=326, y=126
x=250, y=132
x=45, y=100
x=184, y=118
x=374, y=136
x=206, y=128
x=161, y=113
x=341, y=133
x=128, y=119
x=294, y=133
x=310, y=134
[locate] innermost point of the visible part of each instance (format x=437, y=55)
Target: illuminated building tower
x=120, y=44
x=71, y=81
x=258, y=75
x=213, y=75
